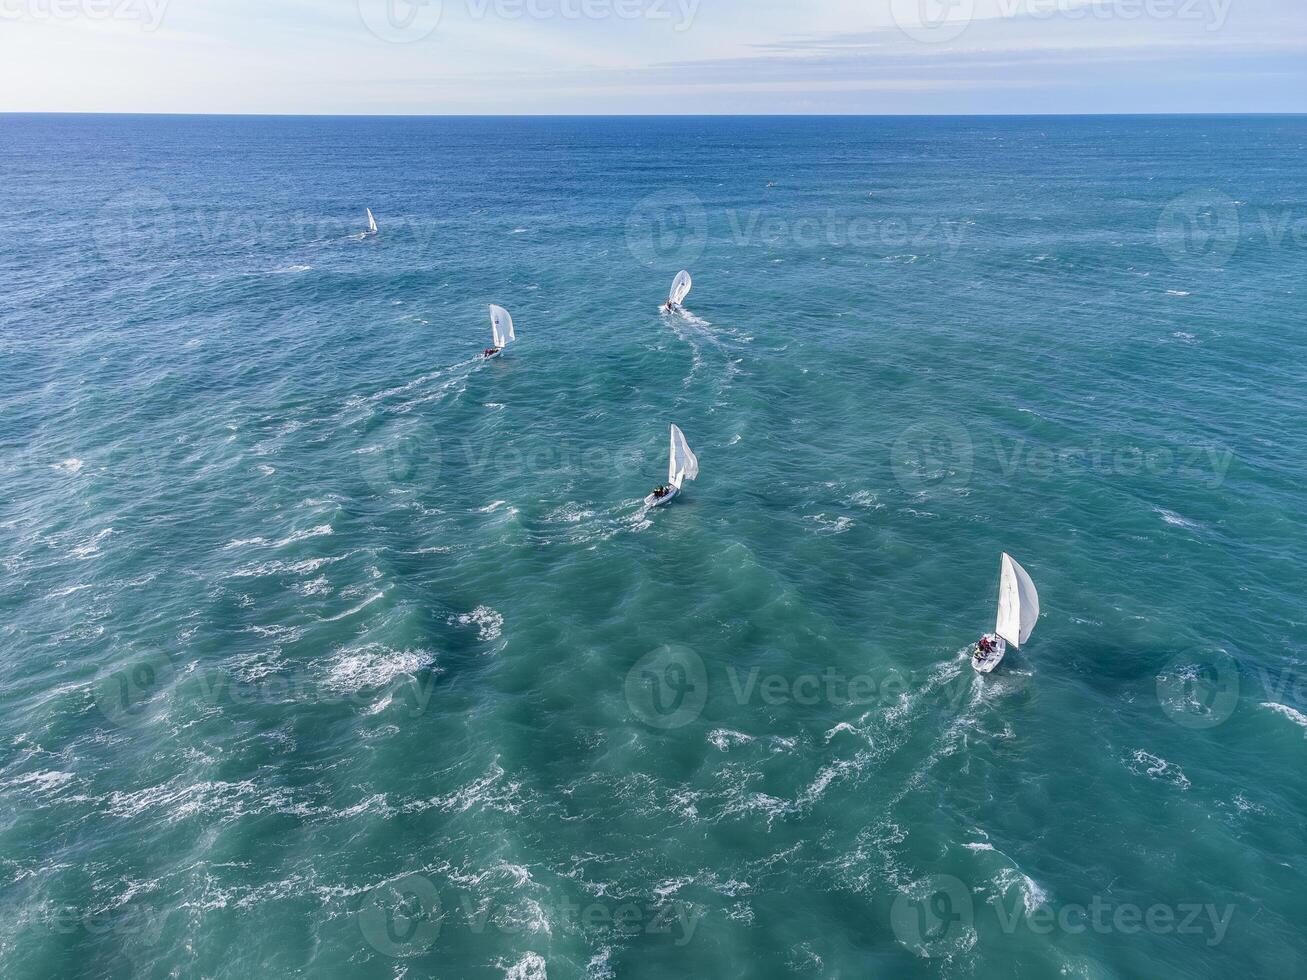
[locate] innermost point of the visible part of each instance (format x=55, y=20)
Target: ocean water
x=329, y=649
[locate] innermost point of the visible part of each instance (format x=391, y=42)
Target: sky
x=653, y=56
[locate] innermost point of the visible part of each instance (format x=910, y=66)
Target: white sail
x=684, y=464
x=372, y=222
x=501, y=325
x=1018, y=604
x=680, y=288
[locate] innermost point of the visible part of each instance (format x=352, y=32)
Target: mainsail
x=684, y=463
x=372, y=222
x=501, y=325
x=1018, y=604
x=680, y=288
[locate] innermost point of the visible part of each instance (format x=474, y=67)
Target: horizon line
x=651, y=115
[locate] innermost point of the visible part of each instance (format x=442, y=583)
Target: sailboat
x=1018, y=611
x=372, y=222
x=680, y=290
x=683, y=465
x=501, y=329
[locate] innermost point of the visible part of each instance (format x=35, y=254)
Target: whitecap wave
x=489, y=623
x=374, y=665
x=530, y=967
x=1293, y=714
x=1155, y=767
x=1174, y=519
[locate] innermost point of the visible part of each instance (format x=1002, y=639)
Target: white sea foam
x=866, y=499
x=830, y=525
x=843, y=727
x=1154, y=766
x=1174, y=519
x=1033, y=897
x=1176, y=292
x=39, y=782
x=71, y=465
x=530, y=967
x=725, y=739
x=599, y=968
x=1294, y=715
x=489, y=624
x=355, y=609
x=92, y=548
x=489, y=792
x=317, y=586
x=374, y=665
x=322, y=530
x=244, y=542
x=68, y=590
x=306, y=567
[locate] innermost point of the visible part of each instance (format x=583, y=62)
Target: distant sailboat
x=682, y=465
x=372, y=223
x=1018, y=611
x=501, y=329
x=680, y=290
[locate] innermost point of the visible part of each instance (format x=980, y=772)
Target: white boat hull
x=986, y=664
x=652, y=501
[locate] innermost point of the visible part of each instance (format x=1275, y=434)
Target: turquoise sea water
x=327, y=649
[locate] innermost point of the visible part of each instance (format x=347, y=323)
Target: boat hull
x=987, y=664
x=652, y=501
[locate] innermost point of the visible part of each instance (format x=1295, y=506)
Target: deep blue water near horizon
x=329, y=649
